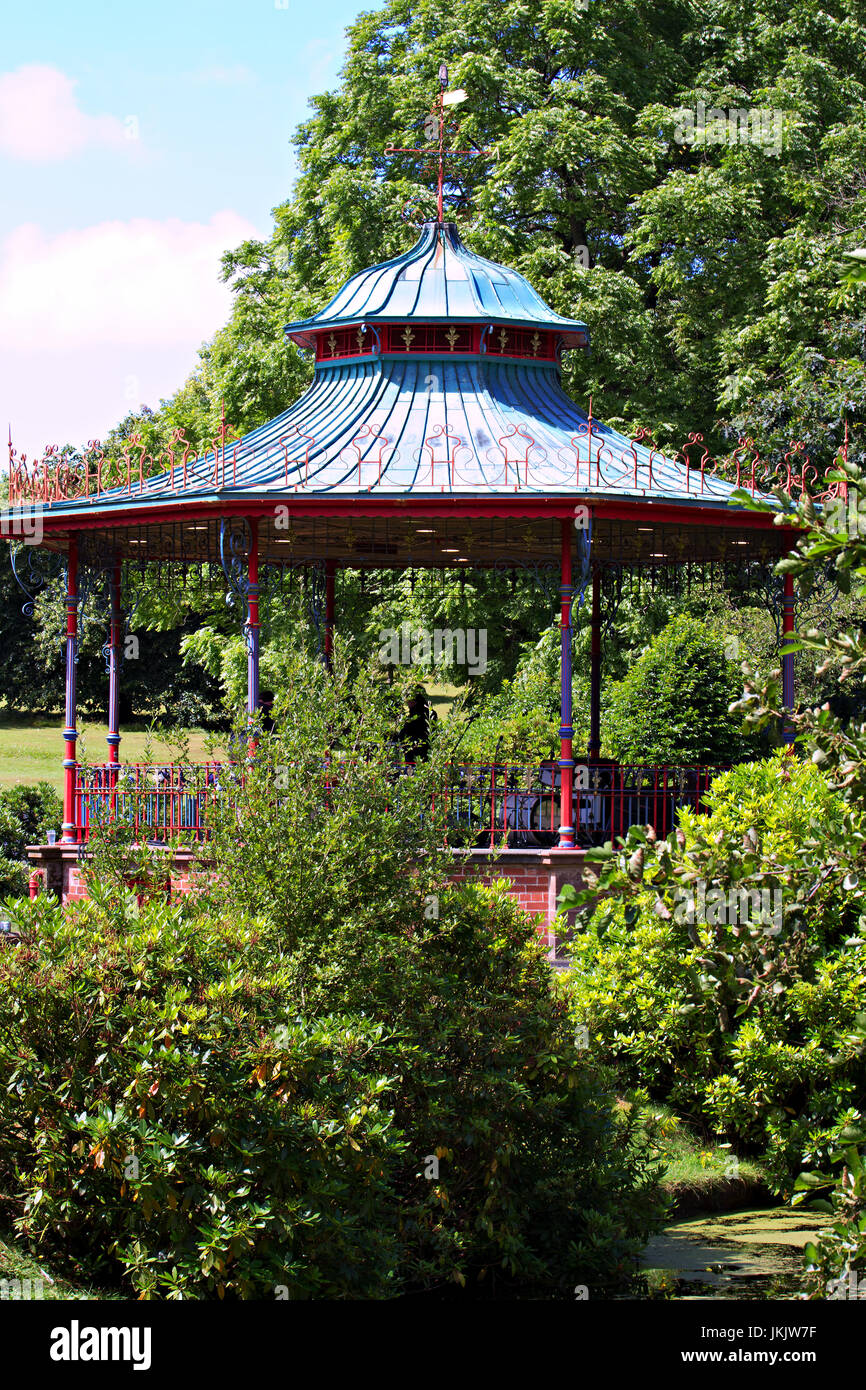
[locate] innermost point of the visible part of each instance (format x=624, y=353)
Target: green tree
x=710, y=261
x=726, y=992
x=672, y=706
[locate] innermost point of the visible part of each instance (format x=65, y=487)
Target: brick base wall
x=534, y=877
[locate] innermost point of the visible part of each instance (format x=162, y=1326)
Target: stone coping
x=550, y=856
x=64, y=853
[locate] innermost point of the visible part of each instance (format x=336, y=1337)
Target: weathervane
x=434, y=129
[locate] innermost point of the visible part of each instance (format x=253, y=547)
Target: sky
x=137, y=143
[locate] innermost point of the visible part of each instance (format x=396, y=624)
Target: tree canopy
x=707, y=271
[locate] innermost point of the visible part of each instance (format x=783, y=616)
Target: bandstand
x=435, y=434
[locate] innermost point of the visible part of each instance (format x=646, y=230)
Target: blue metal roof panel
x=412, y=427
x=438, y=279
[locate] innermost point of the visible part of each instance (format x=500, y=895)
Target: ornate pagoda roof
x=436, y=389
x=438, y=281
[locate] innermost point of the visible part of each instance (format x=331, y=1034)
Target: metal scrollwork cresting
x=544, y=577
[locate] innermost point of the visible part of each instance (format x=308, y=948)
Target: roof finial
x=443, y=83
x=434, y=130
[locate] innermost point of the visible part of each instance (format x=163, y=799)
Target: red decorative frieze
x=521, y=342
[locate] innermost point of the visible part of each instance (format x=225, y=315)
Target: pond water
x=739, y=1254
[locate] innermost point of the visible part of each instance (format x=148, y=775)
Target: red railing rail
x=486, y=803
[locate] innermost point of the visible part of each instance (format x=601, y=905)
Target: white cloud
x=40, y=118
x=141, y=281
x=95, y=322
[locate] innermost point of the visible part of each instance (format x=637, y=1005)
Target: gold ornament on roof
x=503, y=339
x=451, y=336
x=408, y=337
x=536, y=343
x=332, y=344
x=361, y=335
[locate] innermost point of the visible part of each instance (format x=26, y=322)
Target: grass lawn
x=442, y=697
x=31, y=749
x=23, y=1277
x=701, y=1175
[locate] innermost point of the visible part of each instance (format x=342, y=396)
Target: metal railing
x=159, y=801
x=591, y=459
x=487, y=803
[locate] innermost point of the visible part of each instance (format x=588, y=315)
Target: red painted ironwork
x=484, y=804
x=430, y=337
x=58, y=477
x=517, y=435
x=439, y=152
x=310, y=440
x=566, y=761
x=70, y=734
x=337, y=343
x=452, y=441
x=695, y=441
x=366, y=439
x=524, y=343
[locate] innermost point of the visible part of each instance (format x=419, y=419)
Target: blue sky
x=136, y=143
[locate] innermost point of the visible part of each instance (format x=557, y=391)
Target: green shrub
x=291, y=1056
x=175, y=1114
x=25, y=815
x=735, y=1024
x=672, y=706
x=835, y=1263
x=36, y=809
x=156, y=1121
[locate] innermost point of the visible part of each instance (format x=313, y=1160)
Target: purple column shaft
x=114, y=641
x=69, y=831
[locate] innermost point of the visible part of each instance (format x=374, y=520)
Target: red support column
x=788, y=606
x=593, y=748
x=252, y=634
x=69, y=832
x=566, y=732
x=114, y=661
x=330, y=599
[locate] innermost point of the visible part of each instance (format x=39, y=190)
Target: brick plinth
x=57, y=870
x=534, y=877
